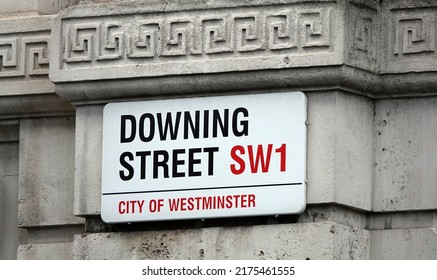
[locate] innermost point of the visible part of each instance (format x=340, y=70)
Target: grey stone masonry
x=367, y=67
x=39, y=6
x=24, y=66
x=36, y=138
x=9, y=233
x=334, y=241
x=196, y=46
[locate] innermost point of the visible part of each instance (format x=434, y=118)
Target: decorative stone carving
x=362, y=38
x=25, y=88
x=24, y=56
x=279, y=43
x=414, y=34
x=147, y=44
x=139, y=36
x=410, y=38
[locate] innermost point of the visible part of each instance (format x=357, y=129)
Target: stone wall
x=37, y=134
x=367, y=68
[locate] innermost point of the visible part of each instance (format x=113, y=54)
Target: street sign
x=205, y=157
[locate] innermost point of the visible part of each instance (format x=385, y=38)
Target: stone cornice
x=113, y=51
x=24, y=55
x=25, y=88
x=210, y=40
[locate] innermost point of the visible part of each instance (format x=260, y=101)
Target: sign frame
x=204, y=157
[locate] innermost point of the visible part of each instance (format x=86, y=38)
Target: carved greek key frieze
x=217, y=34
x=315, y=28
x=95, y=41
x=157, y=38
x=362, y=36
x=176, y=38
x=112, y=39
x=80, y=42
x=281, y=31
x=411, y=40
x=248, y=33
x=414, y=34
x=37, y=51
x=145, y=41
x=9, y=58
x=23, y=55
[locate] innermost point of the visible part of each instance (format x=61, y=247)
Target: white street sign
x=206, y=157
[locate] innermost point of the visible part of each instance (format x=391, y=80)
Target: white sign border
x=212, y=214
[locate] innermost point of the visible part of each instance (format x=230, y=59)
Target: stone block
x=53, y=234
x=210, y=42
x=8, y=199
x=405, y=154
x=402, y=220
x=48, y=251
x=41, y=6
x=24, y=55
x=46, y=172
x=336, y=214
x=340, y=149
x=408, y=36
x=301, y=44
x=8, y=6
x=321, y=147
x=54, y=6
x=353, y=148
x=324, y=240
x=204, y=30
x=404, y=244
x=362, y=38
x=9, y=131
x=20, y=106
x=88, y=165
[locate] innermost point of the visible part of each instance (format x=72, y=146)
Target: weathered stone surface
x=324, y=240
x=24, y=55
x=42, y=6
x=406, y=154
x=404, y=244
x=362, y=34
x=24, y=66
x=88, y=165
x=322, y=130
x=8, y=199
x=339, y=149
x=46, y=172
x=18, y=6
x=249, y=36
x=352, y=42
x=49, y=251
x=336, y=214
x=129, y=40
x=294, y=79
x=35, y=105
x=409, y=37
x=54, y=6
x=63, y=234
x=9, y=131
x=403, y=220
x=353, y=151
